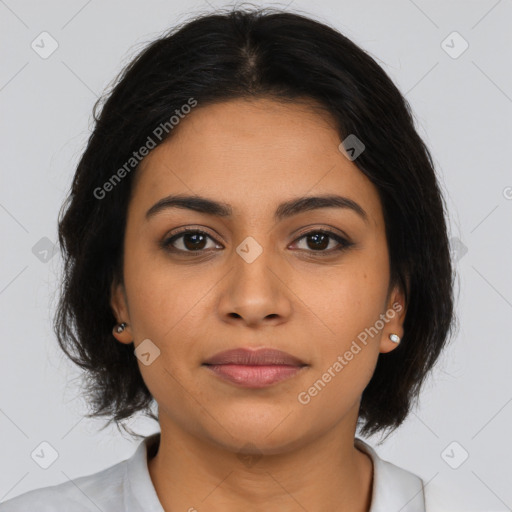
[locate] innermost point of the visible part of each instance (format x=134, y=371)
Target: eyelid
x=314, y=228
x=194, y=228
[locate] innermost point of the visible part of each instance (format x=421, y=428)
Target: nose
x=255, y=291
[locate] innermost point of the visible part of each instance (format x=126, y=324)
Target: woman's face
x=253, y=279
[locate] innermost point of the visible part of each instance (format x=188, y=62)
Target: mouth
x=254, y=368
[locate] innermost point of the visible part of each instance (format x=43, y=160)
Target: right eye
x=190, y=240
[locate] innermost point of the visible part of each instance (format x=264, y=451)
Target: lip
x=254, y=368
x=255, y=357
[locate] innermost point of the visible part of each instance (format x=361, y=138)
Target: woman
x=255, y=241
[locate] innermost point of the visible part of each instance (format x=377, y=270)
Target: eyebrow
x=284, y=210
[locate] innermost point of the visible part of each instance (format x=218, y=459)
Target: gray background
x=463, y=108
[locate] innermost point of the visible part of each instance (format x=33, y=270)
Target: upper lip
x=256, y=357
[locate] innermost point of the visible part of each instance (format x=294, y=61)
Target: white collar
x=394, y=489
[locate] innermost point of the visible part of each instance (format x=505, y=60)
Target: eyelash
x=344, y=244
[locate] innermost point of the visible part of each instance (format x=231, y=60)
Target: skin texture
x=255, y=155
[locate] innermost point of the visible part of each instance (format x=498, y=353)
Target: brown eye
x=188, y=241
x=320, y=240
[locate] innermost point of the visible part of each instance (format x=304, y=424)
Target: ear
x=119, y=304
x=395, y=313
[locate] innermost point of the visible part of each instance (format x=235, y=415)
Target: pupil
x=323, y=242
x=193, y=236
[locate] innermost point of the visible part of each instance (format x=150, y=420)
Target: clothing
x=127, y=487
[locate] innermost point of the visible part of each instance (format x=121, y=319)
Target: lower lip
x=251, y=376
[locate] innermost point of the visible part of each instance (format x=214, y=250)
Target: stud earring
x=120, y=327
x=394, y=338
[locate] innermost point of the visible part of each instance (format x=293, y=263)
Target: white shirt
x=127, y=487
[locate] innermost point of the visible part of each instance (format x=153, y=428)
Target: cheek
x=349, y=298
x=163, y=295
x=356, y=305
x=345, y=358
x=165, y=307
x=350, y=305
x=334, y=389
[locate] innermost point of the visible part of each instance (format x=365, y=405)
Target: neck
x=326, y=473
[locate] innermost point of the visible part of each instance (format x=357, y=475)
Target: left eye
x=320, y=240
x=195, y=240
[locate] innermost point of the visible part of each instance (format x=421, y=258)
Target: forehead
x=253, y=155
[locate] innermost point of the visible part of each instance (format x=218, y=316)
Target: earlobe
x=121, y=330
x=122, y=334
x=393, y=330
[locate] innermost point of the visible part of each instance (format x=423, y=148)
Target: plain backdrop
x=451, y=59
